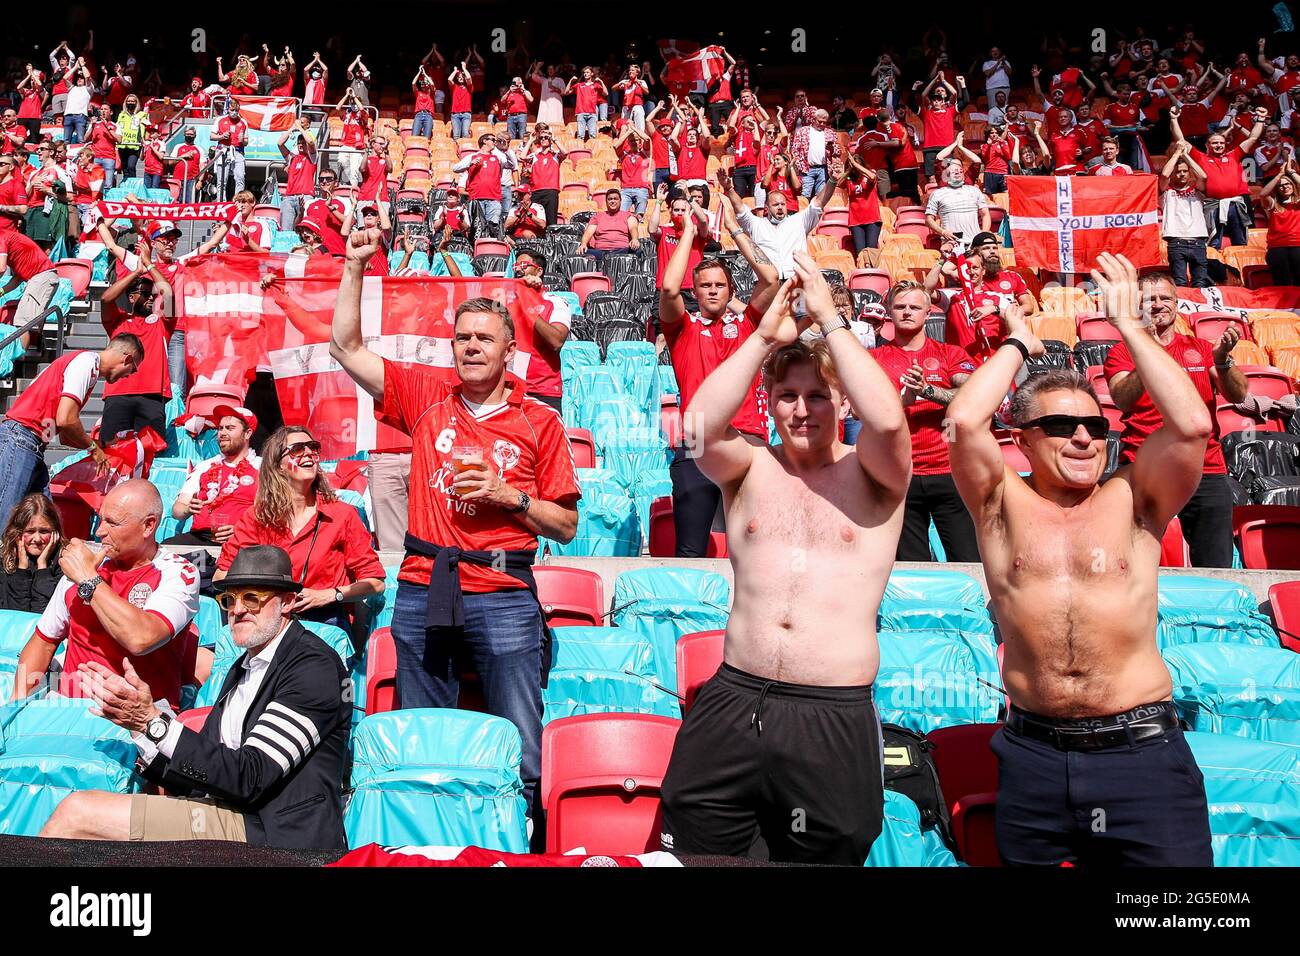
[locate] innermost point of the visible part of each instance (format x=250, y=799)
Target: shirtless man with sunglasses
x=1093, y=766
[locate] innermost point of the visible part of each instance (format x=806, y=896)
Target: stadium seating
x=1193, y=609
x=1269, y=536
x=662, y=604
x=968, y=777
x=1284, y=603
x=903, y=842
x=663, y=533
x=436, y=777
x=1253, y=791
x=1237, y=689
x=601, y=780
x=51, y=747
x=16, y=628
x=699, y=656
x=381, y=672
x=930, y=679
x=570, y=596
x=584, y=448
x=226, y=652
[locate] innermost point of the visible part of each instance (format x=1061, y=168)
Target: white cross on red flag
x=1062, y=223
x=276, y=113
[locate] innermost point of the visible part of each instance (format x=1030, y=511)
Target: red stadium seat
x=874, y=280
x=1174, y=552
x=699, y=656
x=1230, y=420
x=968, y=777
x=1269, y=536
x=1113, y=415
x=837, y=231
x=1283, y=600
x=1267, y=380
x=381, y=672
x=838, y=216
x=570, y=597
x=1013, y=455
x=663, y=535
x=1256, y=276
x=204, y=398
x=912, y=228
x=1210, y=325
x=194, y=719
x=78, y=272
x=491, y=247
x=584, y=447
x=601, y=781
x=584, y=283
x=267, y=211
x=1095, y=328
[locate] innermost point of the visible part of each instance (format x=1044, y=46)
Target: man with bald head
x=122, y=600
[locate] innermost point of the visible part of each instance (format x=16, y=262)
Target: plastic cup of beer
x=465, y=458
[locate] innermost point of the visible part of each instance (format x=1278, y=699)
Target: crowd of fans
x=721, y=167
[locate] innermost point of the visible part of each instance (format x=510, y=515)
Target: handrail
x=33, y=322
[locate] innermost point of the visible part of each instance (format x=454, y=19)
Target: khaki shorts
x=176, y=818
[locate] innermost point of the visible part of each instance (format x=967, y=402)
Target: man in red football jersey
x=491, y=470
x=301, y=184
x=1226, y=191
x=189, y=160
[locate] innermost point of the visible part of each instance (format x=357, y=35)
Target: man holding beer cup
x=491, y=469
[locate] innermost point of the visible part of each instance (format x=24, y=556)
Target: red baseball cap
x=235, y=411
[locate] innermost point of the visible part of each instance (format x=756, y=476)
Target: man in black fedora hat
x=267, y=766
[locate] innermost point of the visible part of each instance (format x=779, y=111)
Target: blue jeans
x=586, y=125
x=109, y=166
x=517, y=125
x=813, y=181
x=635, y=199
x=291, y=208
x=662, y=176
x=423, y=125
x=153, y=181
x=503, y=637
x=602, y=111
x=507, y=201
x=1188, y=255
x=176, y=361
x=459, y=125
x=187, y=190
x=22, y=465
x=74, y=127
x=491, y=210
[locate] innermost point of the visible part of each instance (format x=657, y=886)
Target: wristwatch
x=1228, y=362
x=86, y=589
x=338, y=595
x=839, y=323
x=928, y=392
x=156, y=729
x=524, y=502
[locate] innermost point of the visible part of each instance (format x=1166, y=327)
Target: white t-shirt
x=958, y=209
x=1183, y=214
x=816, y=148
x=999, y=78
x=780, y=240
x=78, y=102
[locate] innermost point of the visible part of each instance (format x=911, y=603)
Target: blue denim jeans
x=491, y=210
x=22, y=465
x=517, y=125
x=423, y=125
x=74, y=127
x=635, y=199
x=586, y=126
x=109, y=166
x=154, y=181
x=602, y=111
x=187, y=190
x=291, y=208
x=502, y=637
x=460, y=125
x=813, y=181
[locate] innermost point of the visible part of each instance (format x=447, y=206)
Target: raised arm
x=671, y=310
x=346, y=345
x=1256, y=131
x=1169, y=464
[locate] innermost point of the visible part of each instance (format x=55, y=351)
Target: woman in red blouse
x=1281, y=199
x=297, y=510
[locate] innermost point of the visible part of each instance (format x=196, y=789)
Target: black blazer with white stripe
x=287, y=777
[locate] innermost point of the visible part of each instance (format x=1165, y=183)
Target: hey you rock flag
x=235, y=327
x=1061, y=223
x=277, y=113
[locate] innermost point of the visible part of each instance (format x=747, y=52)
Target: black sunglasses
x=299, y=447
x=1064, y=426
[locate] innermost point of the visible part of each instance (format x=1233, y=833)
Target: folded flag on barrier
x=1062, y=223
x=236, y=327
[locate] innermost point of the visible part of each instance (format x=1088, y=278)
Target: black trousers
x=742, y=177
x=1284, y=264
x=263, y=401
x=549, y=200
x=132, y=413
x=906, y=182
x=1207, y=523
x=799, y=765
x=1133, y=805
x=695, y=502
x=935, y=497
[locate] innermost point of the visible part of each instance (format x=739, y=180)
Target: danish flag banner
x=1061, y=223
x=276, y=113
x=235, y=327
x=706, y=65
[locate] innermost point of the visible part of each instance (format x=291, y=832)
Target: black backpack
x=910, y=770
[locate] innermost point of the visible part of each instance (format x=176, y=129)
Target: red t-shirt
x=546, y=170
x=1122, y=114
x=1065, y=149
x=227, y=491
x=199, y=101
x=460, y=96
x=698, y=347
x=73, y=374
x=334, y=547
x=544, y=365
x=13, y=193
x=905, y=154
x=423, y=99
x=633, y=94
x=612, y=230
x=1091, y=132
x=634, y=170
x=1197, y=357
x=1003, y=289
x=1224, y=177
x=692, y=161
x=1194, y=120
x=374, y=177
x=166, y=587
x=940, y=126
x=1283, y=227
x=667, y=245
x=864, y=202
x=585, y=92
x=524, y=440
x=26, y=258
x=484, y=181
x=925, y=419
x=302, y=176
x=235, y=131
x=997, y=157
x=515, y=102
x=152, y=377
x=153, y=163
x=354, y=132
x=191, y=160
x=99, y=140
x=660, y=146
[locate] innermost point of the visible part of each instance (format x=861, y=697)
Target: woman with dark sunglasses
x=297, y=510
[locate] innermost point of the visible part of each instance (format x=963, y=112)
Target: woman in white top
x=550, y=105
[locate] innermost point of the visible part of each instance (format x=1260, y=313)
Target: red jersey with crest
x=698, y=346
x=166, y=587
x=523, y=442
x=73, y=374
x=227, y=491
x=1197, y=357
x=925, y=418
